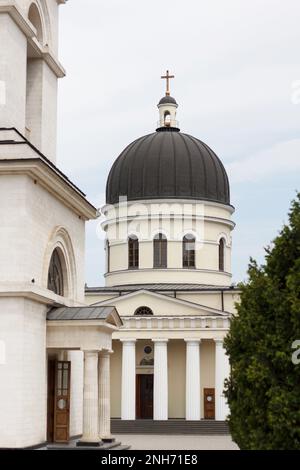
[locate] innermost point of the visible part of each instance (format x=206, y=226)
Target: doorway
x=58, y=413
x=209, y=403
x=144, y=396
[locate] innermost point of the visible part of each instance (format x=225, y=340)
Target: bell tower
x=167, y=107
x=29, y=70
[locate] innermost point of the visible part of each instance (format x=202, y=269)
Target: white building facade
x=54, y=351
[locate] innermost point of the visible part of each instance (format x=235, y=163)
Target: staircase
x=172, y=426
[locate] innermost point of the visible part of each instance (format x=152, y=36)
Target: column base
x=108, y=440
x=88, y=444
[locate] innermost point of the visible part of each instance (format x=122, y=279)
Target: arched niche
x=35, y=17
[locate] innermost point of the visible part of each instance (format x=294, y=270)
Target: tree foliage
x=264, y=387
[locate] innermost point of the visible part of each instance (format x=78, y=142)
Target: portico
x=86, y=331
x=188, y=376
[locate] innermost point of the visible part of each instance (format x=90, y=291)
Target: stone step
x=115, y=445
x=169, y=427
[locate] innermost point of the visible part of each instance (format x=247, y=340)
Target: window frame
x=222, y=246
x=133, y=252
x=160, y=251
x=188, y=255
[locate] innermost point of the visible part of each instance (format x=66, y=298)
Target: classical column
x=160, y=380
x=128, y=380
x=90, y=434
x=221, y=373
x=192, y=404
x=104, y=396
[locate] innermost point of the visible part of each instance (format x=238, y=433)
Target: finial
x=167, y=78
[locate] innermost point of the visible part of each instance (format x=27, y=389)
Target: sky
x=237, y=82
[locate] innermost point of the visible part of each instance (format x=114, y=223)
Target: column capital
x=191, y=340
x=128, y=340
x=219, y=340
x=105, y=352
x=160, y=340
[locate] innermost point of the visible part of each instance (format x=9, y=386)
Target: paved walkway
x=183, y=442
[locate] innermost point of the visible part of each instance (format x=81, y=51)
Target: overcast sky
x=237, y=68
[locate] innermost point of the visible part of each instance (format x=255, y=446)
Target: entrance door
x=209, y=403
x=59, y=375
x=144, y=394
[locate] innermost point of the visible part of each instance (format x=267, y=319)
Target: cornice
x=35, y=293
x=40, y=172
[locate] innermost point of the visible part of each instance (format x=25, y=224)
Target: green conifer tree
x=263, y=391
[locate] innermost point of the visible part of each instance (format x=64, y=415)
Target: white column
x=128, y=380
x=90, y=434
x=160, y=393
x=193, y=394
x=104, y=395
x=221, y=373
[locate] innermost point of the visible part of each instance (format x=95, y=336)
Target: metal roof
x=167, y=100
x=160, y=287
x=79, y=313
x=168, y=165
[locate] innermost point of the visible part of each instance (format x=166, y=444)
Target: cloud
x=281, y=158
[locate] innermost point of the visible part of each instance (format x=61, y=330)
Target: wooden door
x=209, y=403
x=62, y=401
x=50, y=400
x=144, y=394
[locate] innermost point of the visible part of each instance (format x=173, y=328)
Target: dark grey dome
x=168, y=164
x=167, y=100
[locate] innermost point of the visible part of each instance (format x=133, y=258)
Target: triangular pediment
x=160, y=304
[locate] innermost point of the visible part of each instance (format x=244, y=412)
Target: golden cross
x=167, y=77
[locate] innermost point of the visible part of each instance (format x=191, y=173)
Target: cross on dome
x=167, y=78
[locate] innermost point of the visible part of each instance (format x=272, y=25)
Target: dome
x=167, y=100
x=168, y=164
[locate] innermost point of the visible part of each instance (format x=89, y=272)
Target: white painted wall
x=31, y=216
x=29, y=89
x=23, y=375
x=13, y=58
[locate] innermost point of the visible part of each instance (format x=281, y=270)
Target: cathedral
x=146, y=348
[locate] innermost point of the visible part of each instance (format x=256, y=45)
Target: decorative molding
x=24, y=24
x=166, y=270
x=205, y=218
x=167, y=298
x=229, y=208
x=29, y=30
x=47, y=177
x=38, y=294
x=176, y=323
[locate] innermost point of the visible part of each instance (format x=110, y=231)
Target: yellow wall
x=116, y=379
x=176, y=373
x=207, y=368
x=176, y=378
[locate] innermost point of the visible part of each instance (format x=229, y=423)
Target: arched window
x=222, y=254
x=143, y=311
x=188, y=251
x=167, y=118
x=35, y=19
x=55, y=274
x=160, y=251
x=133, y=252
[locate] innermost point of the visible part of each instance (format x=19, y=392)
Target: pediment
x=160, y=304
